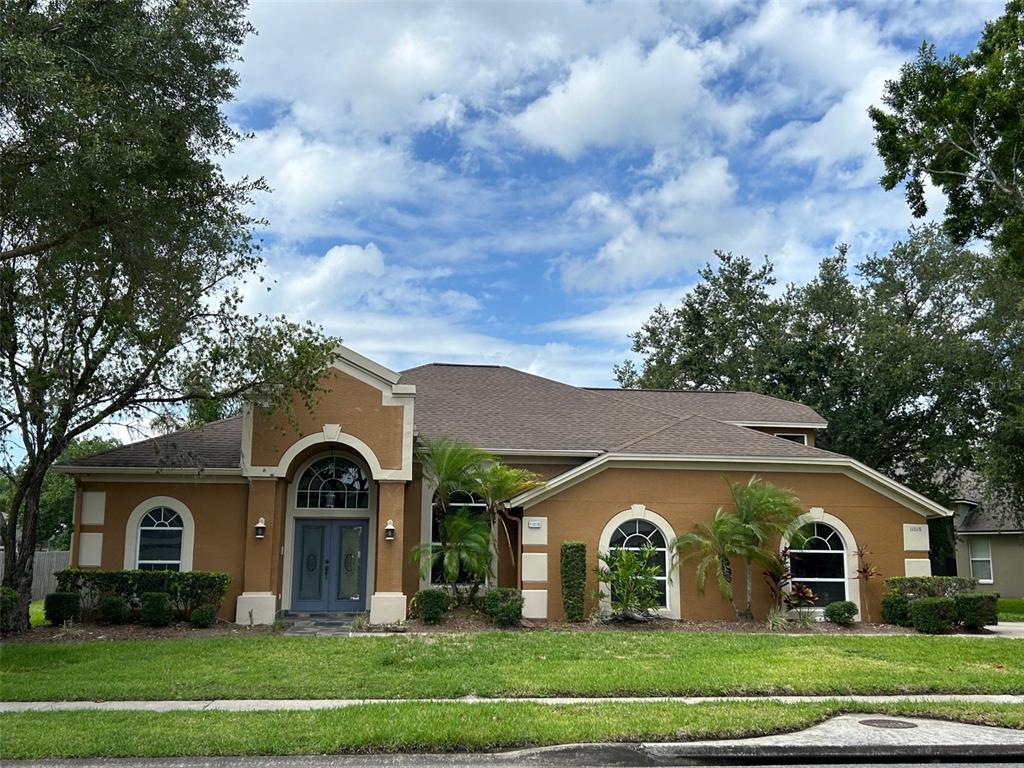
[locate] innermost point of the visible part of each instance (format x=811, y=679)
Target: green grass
x=509, y=664
x=1010, y=608
x=432, y=727
x=35, y=614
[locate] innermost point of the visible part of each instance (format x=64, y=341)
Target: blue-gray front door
x=329, y=569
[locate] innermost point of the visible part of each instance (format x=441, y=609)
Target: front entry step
x=317, y=624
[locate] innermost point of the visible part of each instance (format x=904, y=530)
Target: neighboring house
x=318, y=511
x=989, y=543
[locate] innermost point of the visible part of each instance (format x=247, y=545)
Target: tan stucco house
x=317, y=513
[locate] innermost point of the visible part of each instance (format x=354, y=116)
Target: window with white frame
x=817, y=560
x=333, y=482
x=634, y=535
x=795, y=437
x=980, y=550
x=160, y=534
x=457, y=500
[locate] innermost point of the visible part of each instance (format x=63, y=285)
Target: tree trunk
x=19, y=552
x=748, y=614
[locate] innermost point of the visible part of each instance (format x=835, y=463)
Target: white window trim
x=131, y=534
x=789, y=435
x=819, y=515
x=641, y=512
x=971, y=559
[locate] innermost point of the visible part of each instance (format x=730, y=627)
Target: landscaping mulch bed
x=86, y=632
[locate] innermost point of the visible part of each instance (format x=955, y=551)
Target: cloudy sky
x=522, y=183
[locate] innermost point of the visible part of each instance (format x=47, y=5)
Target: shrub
x=931, y=586
x=186, y=591
x=61, y=607
x=113, y=609
x=573, y=566
x=156, y=609
x=777, y=619
x=841, y=612
x=503, y=606
x=975, y=610
x=933, y=615
x=896, y=609
x=8, y=608
x=431, y=604
x=203, y=616
x=631, y=578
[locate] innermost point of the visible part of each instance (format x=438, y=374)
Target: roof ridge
x=672, y=389
x=652, y=433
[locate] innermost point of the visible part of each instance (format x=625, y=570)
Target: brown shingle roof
x=217, y=445
x=743, y=407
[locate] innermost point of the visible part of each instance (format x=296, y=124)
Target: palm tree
x=449, y=467
x=762, y=511
x=465, y=548
x=713, y=544
x=496, y=483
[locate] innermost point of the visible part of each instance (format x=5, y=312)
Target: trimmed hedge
x=186, y=591
x=896, y=610
x=573, y=566
x=933, y=615
x=8, y=608
x=60, y=607
x=156, y=609
x=431, y=603
x=975, y=610
x=931, y=586
x=503, y=606
x=113, y=609
x=841, y=612
x=203, y=617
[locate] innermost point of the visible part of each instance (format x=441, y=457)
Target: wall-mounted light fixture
x=261, y=528
x=389, y=531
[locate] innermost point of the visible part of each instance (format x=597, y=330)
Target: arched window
x=634, y=535
x=333, y=482
x=818, y=560
x=160, y=534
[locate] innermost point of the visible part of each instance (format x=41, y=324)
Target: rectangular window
x=980, y=551
x=796, y=437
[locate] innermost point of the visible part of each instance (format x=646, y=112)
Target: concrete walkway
x=264, y=705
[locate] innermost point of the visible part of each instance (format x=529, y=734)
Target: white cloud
x=622, y=317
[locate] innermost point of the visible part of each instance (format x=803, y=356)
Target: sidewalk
x=262, y=705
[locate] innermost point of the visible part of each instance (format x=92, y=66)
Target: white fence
x=43, y=569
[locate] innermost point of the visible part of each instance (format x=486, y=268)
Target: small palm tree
x=449, y=467
x=713, y=544
x=762, y=511
x=496, y=483
x=465, y=548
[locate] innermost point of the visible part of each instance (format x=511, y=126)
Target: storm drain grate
x=888, y=723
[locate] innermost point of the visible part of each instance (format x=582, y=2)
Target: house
x=989, y=542
x=318, y=511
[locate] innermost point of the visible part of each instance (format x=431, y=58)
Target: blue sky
x=522, y=183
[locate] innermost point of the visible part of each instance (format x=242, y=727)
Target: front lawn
x=508, y=664
x=432, y=727
x=1010, y=608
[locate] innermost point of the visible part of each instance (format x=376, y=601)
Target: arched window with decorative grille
x=634, y=535
x=333, y=482
x=160, y=536
x=817, y=560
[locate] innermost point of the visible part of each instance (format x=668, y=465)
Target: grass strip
x=442, y=727
x=1010, y=608
x=508, y=664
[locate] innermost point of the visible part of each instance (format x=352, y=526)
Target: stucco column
x=388, y=602
x=258, y=602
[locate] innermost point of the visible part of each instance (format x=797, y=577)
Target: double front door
x=330, y=565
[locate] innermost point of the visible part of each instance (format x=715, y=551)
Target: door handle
x=327, y=566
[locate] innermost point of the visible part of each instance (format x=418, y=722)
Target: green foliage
x=959, y=124
x=1010, y=608
x=61, y=607
x=841, y=612
x=777, y=619
x=155, y=609
x=573, y=571
x=712, y=544
x=113, y=609
x=430, y=604
x=122, y=238
x=896, y=610
x=465, y=548
x=631, y=579
x=933, y=615
x=503, y=606
x=975, y=610
x=449, y=467
x=185, y=590
x=203, y=616
x=8, y=605
x=931, y=586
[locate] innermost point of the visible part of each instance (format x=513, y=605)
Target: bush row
x=502, y=605
x=930, y=586
x=185, y=591
x=939, y=614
